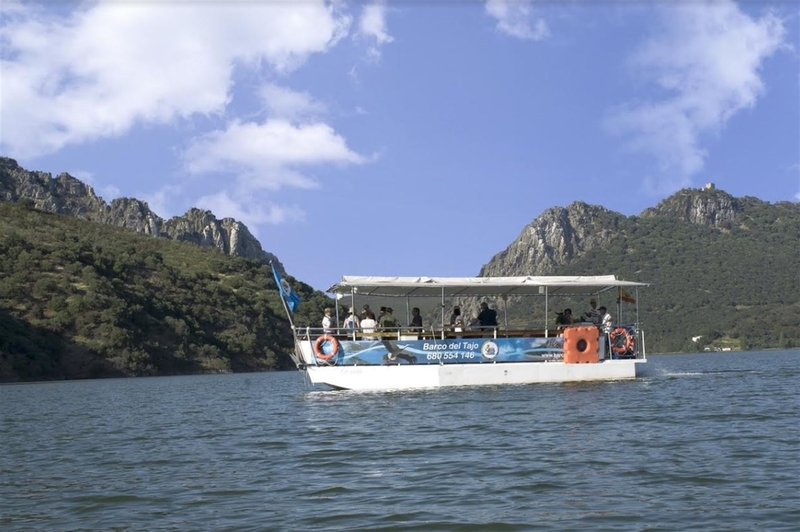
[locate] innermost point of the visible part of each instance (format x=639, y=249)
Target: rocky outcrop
x=62, y=195
x=707, y=206
x=554, y=239
x=132, y=214
x=204, y=229
x=69, y=196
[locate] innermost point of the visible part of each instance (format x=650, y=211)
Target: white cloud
x=248, y=210
x=706, y=63
x=517, y=19
x=372, y=25
x=268, y=152
x=265, y=156
x=97, y=71
x=282, y=102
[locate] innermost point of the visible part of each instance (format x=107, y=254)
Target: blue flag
x=289, y=296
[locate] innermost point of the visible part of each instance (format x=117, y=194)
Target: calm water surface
x=705, y=442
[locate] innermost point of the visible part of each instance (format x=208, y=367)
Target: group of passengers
x=486, y=319
x=597, y=316
x=367, y=322
x=385, y=321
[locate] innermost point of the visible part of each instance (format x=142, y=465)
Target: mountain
x=69, y=196
x=724, y=269
x=80, y=299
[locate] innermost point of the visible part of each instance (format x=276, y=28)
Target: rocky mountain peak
x=204, y=229
x=707, y=206
x=553, y=239
x=69, y=196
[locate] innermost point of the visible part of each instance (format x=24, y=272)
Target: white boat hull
x=402, y=377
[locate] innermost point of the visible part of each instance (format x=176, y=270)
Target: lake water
x=707, y=441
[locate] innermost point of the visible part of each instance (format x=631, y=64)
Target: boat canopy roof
x=479, y=286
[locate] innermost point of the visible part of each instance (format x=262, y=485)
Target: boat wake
x=652, y=372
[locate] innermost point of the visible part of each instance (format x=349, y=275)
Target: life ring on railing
x=320, y=353
x=625, y=345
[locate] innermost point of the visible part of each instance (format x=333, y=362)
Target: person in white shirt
x=368, y=325
x=327, y=322
x=456, y=320
x=593, y=314
x=606, y=322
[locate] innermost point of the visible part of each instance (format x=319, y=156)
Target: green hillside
x=737, y=287
x=81, y=300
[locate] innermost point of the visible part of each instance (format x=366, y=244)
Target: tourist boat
x=442, y=355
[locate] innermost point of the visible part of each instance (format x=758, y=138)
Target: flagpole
x=297, y=356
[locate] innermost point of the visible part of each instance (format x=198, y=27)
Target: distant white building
x=709, y=186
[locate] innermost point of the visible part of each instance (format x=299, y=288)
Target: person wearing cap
x=387, y=321
x=593, y=315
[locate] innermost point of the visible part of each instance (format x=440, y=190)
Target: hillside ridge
x=68, y=195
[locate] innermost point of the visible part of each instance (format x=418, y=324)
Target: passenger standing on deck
x=351, y=322
x=327, y=322
x=593, y=315
x=368, y=324
x=606, y=322
x=388, y=321
x=487, y=318
x=416, y=320
x=367, y=313
x=564, y=318
x=456, y=321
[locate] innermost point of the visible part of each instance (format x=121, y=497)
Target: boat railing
x=343, y=333
x=424, y=333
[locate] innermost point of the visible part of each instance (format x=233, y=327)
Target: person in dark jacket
x=487, y=318
x=416, y=320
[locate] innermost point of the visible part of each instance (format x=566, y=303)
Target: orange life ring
x=581, y=345
x=621, y=348
x=322, y=355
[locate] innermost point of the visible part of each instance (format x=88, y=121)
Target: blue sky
x=402, y=137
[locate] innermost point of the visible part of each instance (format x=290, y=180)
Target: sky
x=407, y=137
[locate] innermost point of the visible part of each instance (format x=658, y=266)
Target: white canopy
x=478, y=286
